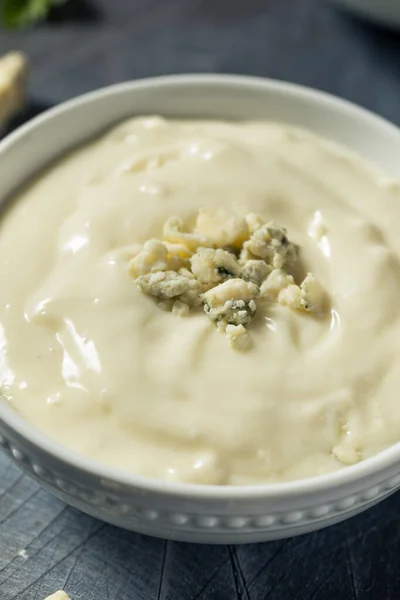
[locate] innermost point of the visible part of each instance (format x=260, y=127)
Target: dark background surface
x=86, y=46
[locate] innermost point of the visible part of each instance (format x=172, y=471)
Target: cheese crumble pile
x=226, y=264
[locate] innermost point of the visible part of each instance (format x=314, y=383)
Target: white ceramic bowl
x=386, y=12
x=182, y=511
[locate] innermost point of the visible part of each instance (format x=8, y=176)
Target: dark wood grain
x=95, y=43
x=93, y=561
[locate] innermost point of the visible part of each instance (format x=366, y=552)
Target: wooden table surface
x=45, y=545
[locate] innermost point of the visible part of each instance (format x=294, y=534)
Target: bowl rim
x=351, y=474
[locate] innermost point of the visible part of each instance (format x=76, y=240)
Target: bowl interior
x=54, y=132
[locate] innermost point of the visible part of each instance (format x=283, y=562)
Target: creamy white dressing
x=93, y=362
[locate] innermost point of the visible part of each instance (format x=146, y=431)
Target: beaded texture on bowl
x=135, y=515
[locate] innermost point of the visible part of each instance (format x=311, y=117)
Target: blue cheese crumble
x=256, y=271
x=158, y=256
x=312, y=294
x=280, y=287
x=237, y=336
x=167, y=285
x=221, y=228
x=214, y=266
x=270, y=243
x=232, y=302
x=224, y=264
